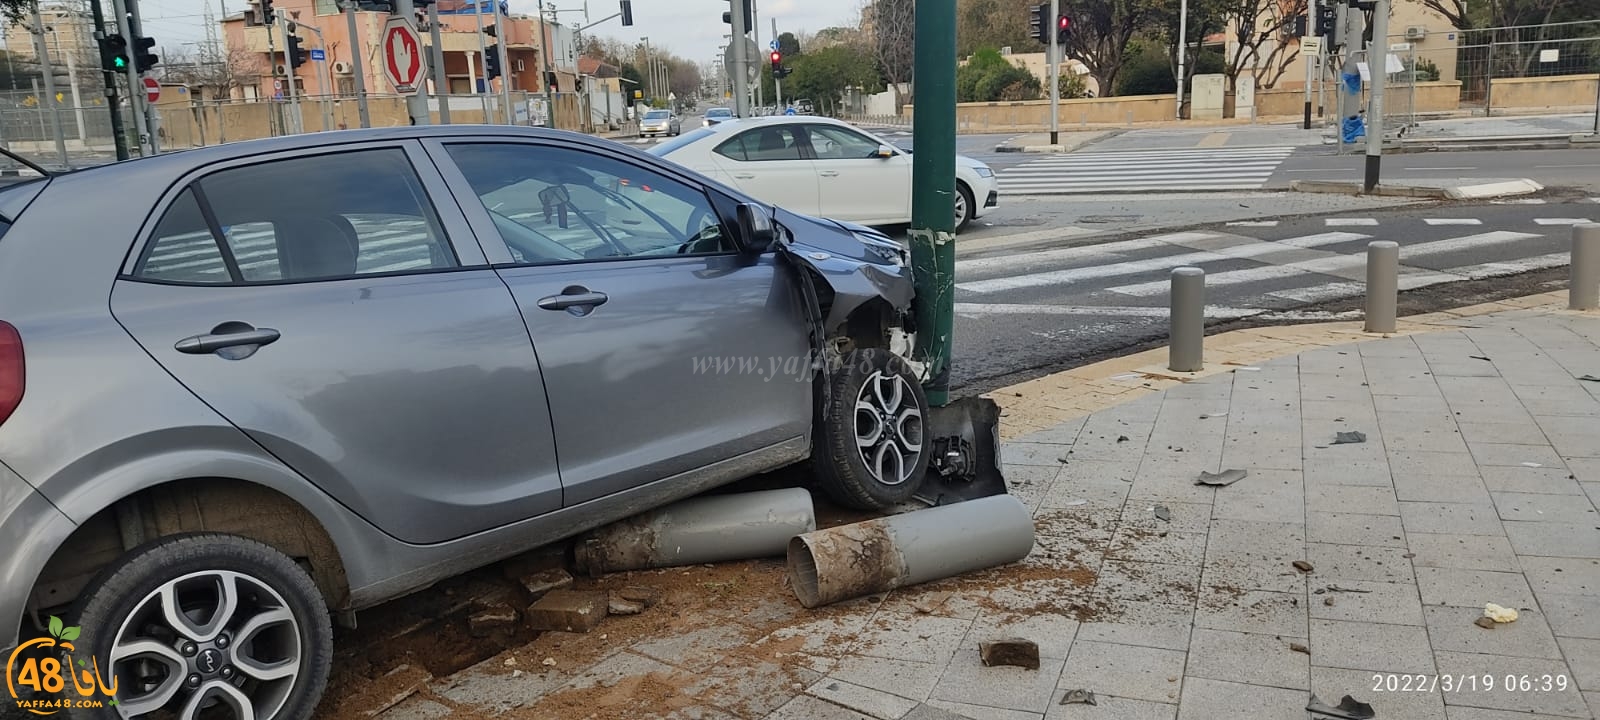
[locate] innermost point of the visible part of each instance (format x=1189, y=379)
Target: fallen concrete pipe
x=879, y=555
x=713, y=528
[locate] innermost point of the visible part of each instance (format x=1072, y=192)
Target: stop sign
x=152, y=89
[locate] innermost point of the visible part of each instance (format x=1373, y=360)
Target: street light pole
x=544, y=73
x=1053, y=59
x=1378, y=67
x=441, y=83
x=355, y=64
x=1183, y=52
x=933, y=170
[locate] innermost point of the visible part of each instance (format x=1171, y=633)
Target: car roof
x=738, y=124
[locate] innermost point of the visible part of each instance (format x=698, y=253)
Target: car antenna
x=27, y=162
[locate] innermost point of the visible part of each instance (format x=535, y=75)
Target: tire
x=842, y=463
x=965, y=219
x=120, y=600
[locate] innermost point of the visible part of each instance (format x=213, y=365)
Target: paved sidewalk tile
x=1464, y=552
x=1360, y=562
x=1367, y=602
x=1364, y=645
x=1128, y=671
x=1353, y=529
x=1529, y=507
x=1568, y=702
x=1206, y=699
x=1452, y=489
x=1247, y=658
x=1544, y=481
x=1578, y=540
x=1583, y=656
x=1473, y=588
x=1435, y=517
x=1330, y=684
x=1109, y=707
x=1451, y=629
x=1574, y=576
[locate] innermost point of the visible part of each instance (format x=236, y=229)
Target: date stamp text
x=1486, y=682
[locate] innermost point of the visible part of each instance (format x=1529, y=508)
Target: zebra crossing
x=1144, y=171
x=1245, y=275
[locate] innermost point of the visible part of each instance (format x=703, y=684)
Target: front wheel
x=208, y=625
x=965, y=206
x=872, y=452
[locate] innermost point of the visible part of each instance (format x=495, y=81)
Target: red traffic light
x=777, y=57
x=1064, y=23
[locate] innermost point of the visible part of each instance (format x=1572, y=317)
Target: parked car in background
x=301, y=376
x=660, y=122
x=804, y=107
x=717, y=115
x=823, y=167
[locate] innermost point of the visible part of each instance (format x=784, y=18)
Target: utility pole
x=755, y=31
x=1309, y=60
x=504, y=33
x=1052, y=57
x=417, y=103
x=72, y=79
x=545, y=72
x=1378, y=67
x=43, y=53
x=933, y=184
x=118, y=137
x=1183, y=52
x=1349, y=102
x=441, y=84
x=355, y=64
x=135, y=88
x=741, y=67
x=777, y=82
x=152, y=121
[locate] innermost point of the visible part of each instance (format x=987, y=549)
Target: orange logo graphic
x=34, y=666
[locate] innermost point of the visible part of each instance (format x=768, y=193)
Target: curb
x=1504, y=188
x=1045, y=402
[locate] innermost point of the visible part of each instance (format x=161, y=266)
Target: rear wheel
x=872, y=450
x=208, y=625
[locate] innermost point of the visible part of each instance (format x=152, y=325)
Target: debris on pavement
x=1074, y=503
x=1016, y=652
x=1297, y=647
x=1222, y=479
x=1328, y=601
x=1532, y=465
x=644, y=594
x=929, y=602
x=1480, y=357
x=1484, y=623
x=543, y=581
x=486, y=622
x=1348, y=709
x=1079, y=697
x=569, y=610
x=1302, y=566
x=396, y=686
x=1162, y=513
x=1499, y=614
x=1336, y=588
x=549, y=662
x=1122, y=438
x=623, y=606
x=1349, y=438
x=1590, y=378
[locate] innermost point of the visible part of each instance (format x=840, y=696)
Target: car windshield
x=662, y=149
x=656, y=115
x=719, y=112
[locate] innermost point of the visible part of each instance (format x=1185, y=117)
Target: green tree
x=633, y=80
x=823, y=75
x=989, y=77
x=994, y=24
x=1102, y=31
x=1146, y=72
x=789, y=45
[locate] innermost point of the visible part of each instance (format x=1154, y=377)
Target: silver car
x=656, y=123
x=250, y=387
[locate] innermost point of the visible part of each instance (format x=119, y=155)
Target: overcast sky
x=690, y=28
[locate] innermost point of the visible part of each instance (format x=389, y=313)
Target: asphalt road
x=1579, y=169
x=1027, y=313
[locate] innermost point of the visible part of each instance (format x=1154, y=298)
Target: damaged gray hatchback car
x=247, y=388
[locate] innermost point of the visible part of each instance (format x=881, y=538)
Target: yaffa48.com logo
x=48, y=672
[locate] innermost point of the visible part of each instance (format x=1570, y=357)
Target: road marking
x=1567, y=166
x=1437, y=247
x=1214, y=140
x=1452, y=221
x=1350, y=222
x=1103, y=311
x=1132, y=267
x=1520, y=201
x=1254, y=223
x=1560, y=221
x=1321, y=293
x=1440, y=168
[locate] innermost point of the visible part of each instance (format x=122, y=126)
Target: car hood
x=859, y=264
x=961, y=160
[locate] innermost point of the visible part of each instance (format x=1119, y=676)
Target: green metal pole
x=933, y=185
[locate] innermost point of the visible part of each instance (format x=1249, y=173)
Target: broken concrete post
x=1583, y=293
x=1383, y=285
x=1185, y=352
x=879, y=555
x=568, y=610
x=714, y=528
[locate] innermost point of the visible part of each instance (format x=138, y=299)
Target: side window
x=833, y=143
x=763, y=144
x=553, y=204
x=321, y=217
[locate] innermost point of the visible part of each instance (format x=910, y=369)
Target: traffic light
x=777, y=64
x=1327, y=19
x=143, y=56
x=1041, y=23
x=297, y=56
x=727, y=17
x=491, y=61
x=627, y=13
x=1063, y=29
x=268, y=15
x=114, y=53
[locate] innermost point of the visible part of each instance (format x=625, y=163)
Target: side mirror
x=885, y=152
x=755, y=228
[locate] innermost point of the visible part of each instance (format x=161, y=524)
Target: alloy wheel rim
x=217, y=642
x=961, y=208
x=888, y=428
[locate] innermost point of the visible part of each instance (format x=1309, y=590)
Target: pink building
x=322, y=26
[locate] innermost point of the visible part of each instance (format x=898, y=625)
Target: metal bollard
x=1186, y=351
x=1583, y=292
x=1383, y=285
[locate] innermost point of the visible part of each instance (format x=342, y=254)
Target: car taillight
x=11, y=374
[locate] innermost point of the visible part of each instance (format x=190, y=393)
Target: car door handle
x=745, y=176
x=568, y=299
x=227, y=335
x=829, y=173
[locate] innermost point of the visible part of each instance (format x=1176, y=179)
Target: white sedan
x=822, y=167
